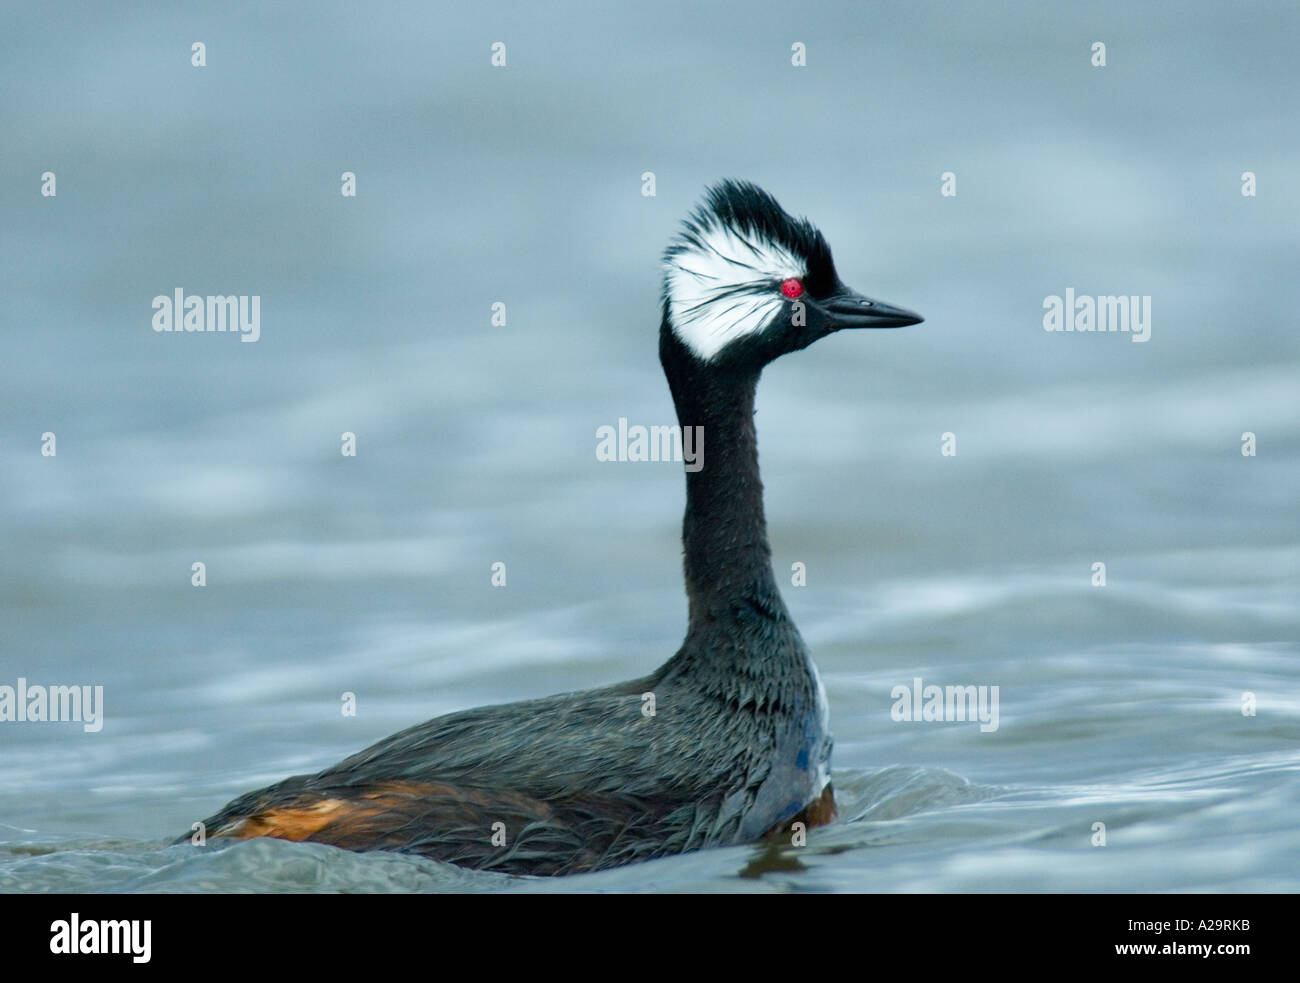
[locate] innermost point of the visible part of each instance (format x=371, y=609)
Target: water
x=1118, y=705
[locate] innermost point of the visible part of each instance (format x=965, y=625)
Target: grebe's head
x=745, y=282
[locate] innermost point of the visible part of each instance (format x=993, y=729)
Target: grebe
x=738, y=744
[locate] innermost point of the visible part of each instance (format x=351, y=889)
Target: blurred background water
x=1119, y=705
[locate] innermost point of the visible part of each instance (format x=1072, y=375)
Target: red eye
x=792, y=288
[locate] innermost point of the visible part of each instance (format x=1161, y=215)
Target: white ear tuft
x=723, y=284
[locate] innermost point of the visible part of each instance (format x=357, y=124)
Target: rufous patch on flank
x=288, y=823
x=370, y=813
x=821, y=811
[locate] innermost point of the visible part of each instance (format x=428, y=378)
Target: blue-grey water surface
x=1119, y=705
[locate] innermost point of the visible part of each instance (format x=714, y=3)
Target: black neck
x=728, y=562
